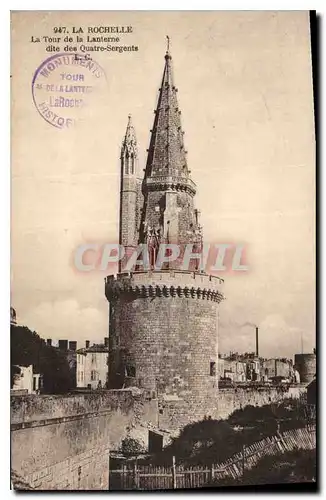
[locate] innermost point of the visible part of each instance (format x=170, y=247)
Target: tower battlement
x=170, y=283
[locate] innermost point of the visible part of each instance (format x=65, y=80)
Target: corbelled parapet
x=168, y=283
x=163, y=183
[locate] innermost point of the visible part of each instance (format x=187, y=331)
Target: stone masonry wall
x=63, y=442
x=233, y=399
x=174, y=413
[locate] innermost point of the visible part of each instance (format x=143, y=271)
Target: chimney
x=87, y=344
x=106, y=341
x=49, y=342
x=72, y=345
x=257, y=349
x=63, y=345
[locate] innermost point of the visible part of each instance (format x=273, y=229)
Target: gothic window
x=152, y=255
x=132, y=163
x=127, y=164
x=212, y=368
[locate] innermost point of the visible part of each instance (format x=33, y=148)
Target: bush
x=298, y=466
x=266, y=420
x=213, y=441
x=131, y=446
x=204, y=442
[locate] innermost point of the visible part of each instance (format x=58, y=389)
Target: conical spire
x=166, y=153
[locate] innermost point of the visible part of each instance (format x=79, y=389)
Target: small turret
x=129, y=152
x=128, y=235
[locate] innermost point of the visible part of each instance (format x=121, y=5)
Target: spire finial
x=167, y=45
x=129, y=139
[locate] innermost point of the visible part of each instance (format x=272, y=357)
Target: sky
x=245, y=92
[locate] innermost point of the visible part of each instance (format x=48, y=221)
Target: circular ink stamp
x=63, y=88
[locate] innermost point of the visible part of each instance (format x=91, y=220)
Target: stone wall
x=174, y=412
x=63, y=442
x=231, y=399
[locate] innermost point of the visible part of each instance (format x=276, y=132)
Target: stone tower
x=164, y=324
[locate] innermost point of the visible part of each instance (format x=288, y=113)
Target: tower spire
x=166, y=153
x=168, y=208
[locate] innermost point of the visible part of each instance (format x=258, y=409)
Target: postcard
x=163, y=330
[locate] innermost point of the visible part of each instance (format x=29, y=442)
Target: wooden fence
x=149, y=477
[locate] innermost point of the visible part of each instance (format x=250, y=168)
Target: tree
x=27, y=348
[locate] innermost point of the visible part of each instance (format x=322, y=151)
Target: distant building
x=230, y=367
x=247, y=367
x=80, y=368
x=253, y=370
x=276, y=367
x=92, y=365
x=26, y=381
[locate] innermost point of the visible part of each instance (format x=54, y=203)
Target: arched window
x=127, y=164
x=132, y=163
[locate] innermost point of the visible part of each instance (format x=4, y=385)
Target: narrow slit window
x=131, y=371
x=212, y=368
